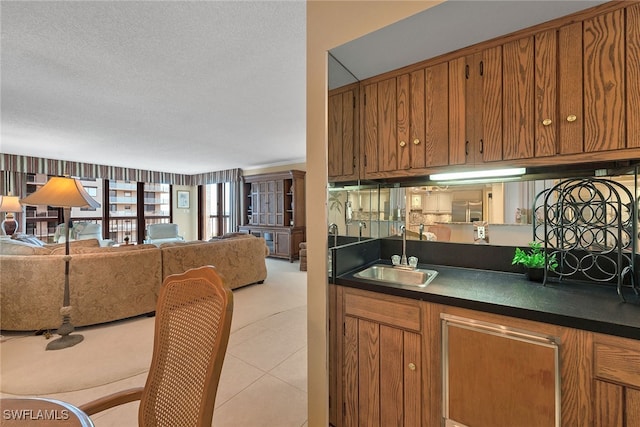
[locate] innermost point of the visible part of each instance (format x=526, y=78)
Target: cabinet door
x=633, y=76
x=279, y=207
x=342, y=135
x=591, y=69
x=411, y=120
x=444, y=202
x=436, y=138
x=283, y=246
x=546, y=81
x=403, y=98
x=380, y=360
x=604, y=84
x=414, y=153
x=616, y=393
x=416, y=139
x=489, y=132
x=382, y=385
x=437, y=202
x=387, y=133
x=370, y=129
x=458, y=144
x=263, y=197
x=475, y=108
x=570, y=88
x=517, y=102
x=380, y=127
x=255, y=203
x=271, y=203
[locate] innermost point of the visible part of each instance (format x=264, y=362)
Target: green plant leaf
x=535, y=257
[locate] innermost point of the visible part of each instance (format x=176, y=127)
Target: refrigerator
x=466, y=210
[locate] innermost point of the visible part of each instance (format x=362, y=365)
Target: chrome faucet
x=361, y=225
x=403, y=260
x=421, y=230
x=333, y=229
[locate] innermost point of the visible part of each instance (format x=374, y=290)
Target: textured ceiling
x=198, y=86
x=175, y=86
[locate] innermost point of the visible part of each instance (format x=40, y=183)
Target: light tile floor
x=264, y=377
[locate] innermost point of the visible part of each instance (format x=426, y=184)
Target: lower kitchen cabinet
x=616, y=386
x=381, y=360
x=398, y=361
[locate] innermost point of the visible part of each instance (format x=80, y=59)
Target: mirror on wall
x=446, y=213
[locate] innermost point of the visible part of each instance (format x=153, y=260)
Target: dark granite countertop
x=586, y=306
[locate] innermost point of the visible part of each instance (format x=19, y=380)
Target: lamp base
x=64, y=341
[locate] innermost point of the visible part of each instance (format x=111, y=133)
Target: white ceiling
x=198, y=86
x=175, y=86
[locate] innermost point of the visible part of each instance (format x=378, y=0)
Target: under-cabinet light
x=490, y=173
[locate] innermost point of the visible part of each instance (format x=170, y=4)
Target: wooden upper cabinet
x=380, y=148
x=570, y=89
x=633, y=75
x=405, y=122
x=518, y=100
x=343, y=127
x=545, y=121
x=491, y=129
x=435, y=141
x=591, y=84
x=457, y=112
x=475, y=108
x=604, y=85
x=546, y=95
x=416, y=141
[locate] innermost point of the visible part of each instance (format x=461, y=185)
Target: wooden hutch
x=275, y=210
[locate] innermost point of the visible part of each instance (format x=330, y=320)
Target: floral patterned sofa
x=110, y=283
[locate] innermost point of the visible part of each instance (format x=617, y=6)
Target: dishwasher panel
x=494, y=375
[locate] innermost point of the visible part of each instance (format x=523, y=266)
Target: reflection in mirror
x=453, y=213
x=374, y=211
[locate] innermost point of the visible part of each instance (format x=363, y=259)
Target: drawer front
x=616, y=363
x=390, y=312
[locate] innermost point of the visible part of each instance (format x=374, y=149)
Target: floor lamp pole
x=66, y=327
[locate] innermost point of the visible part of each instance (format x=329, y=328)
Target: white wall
x=187, y=219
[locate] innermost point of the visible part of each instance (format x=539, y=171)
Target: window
x=123, y=203
x=218, y=204
x=157, y=206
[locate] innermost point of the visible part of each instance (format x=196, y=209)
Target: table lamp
x=65, y=193
x=9, y=204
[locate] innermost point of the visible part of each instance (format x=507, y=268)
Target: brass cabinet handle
x=402, y=143
x=416, y=141
x=412, y=366
x=571, y=118
x=547, y=122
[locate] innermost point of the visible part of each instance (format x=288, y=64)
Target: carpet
x=96, y=361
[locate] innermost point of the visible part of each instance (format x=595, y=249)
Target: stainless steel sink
x=403, y=276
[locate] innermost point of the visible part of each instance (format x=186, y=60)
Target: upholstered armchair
x=82, y=231
x=163, y=233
